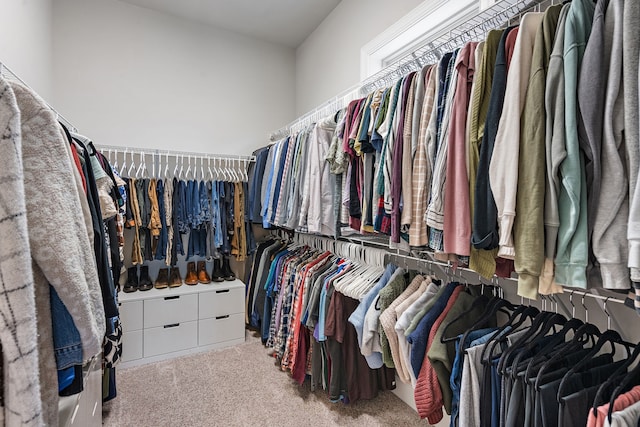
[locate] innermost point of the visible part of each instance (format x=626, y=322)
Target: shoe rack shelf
x=160, y=324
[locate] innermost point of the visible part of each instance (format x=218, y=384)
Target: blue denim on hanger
x=161, y=249
x=67, y=344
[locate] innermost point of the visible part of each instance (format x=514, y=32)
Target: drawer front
x=169, y=338
x=220, y=329
x=131, y=345
x=221, y=302
x=131, y=315
x=170, y=310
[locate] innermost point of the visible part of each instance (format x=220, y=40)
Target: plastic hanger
x=166, y=166
x=518, y=317
x=210, y=171
x=132, y=167
x=619, y=374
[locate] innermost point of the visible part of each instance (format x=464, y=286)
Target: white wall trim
x=428, y=20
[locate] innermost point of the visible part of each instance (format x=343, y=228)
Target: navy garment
x=485, y=215
x=163, y=239
x=67, y=344
x=256, y=172
x=281, y=163
x=420, y=336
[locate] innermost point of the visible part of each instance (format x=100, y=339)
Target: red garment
x=76, y=160
x=427, y=394
x=457, y=209
x=510, y=44
x=623, y=401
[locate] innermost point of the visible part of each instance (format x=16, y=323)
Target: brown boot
x=162, y=281
x=203, y=276
x=175, y=280
x=192, y=276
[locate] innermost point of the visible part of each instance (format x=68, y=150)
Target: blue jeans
x=161, y=249
x=67, y=343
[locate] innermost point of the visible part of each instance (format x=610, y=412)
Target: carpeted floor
x=238, y=386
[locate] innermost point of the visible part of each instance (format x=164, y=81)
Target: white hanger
x=166, y=166
x=210, y=171
x=181, y=167
x=186, y=175
x=153, y=165
x=124, y=163
x=202, y=168
x=132, y=167
x=143, y=166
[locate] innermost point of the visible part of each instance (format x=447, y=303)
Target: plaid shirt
x=420, y=174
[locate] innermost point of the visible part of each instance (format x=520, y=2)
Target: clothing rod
x=172, y=153
x=7, y=72
x=330, y=106
x=474, y=27
x=418, y=263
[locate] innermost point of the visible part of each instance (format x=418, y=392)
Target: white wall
x=328, y=61
x=130, y=76
x=25, y=42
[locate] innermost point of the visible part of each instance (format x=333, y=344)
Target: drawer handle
x=173, y=325
x=222, y=317
x=173, y=297
x=222, y=291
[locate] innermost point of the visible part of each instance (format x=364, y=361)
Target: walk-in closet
x=320, y=212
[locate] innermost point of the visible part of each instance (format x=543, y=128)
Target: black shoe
x=217, y=275
x=145, y=280
x=132, y=280
x=226, y=269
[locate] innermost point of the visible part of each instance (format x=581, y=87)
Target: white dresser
x=163, y=323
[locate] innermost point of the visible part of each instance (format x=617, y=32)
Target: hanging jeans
x=161, y=248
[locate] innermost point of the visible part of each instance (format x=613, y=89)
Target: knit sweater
x=631, y=55
x=612, y=213
x=624, y=400
x=18, y=331
x=428, y=393
x=572, y=252
x=386, y=297
x=529, y=221
x=481, y=260
x=503, y=170
x=388, y=320
x=404, y=318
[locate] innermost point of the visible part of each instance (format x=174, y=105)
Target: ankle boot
x=203, y=276
x=226, y=269
x=132, y=280
x=145, y=280
x=192, y=276
x=174, y=279
x=217, y=270
x=162, y=281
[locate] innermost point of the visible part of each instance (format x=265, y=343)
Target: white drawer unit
x=170, y=309
x=170, y=338
x=220, y=302
x=162, y=323
x=222, y=328
x=131, y=345
x=131, y=316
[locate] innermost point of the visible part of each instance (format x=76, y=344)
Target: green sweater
x=529, y=221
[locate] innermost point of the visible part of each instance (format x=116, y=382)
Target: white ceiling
x=284, y=22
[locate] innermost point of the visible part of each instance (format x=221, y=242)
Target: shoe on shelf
x=174, y=278
x=203, y=276
x=217, y=270
x=227, y=274
x=192, y=276
x=162, y=281
x=145, y=280
x=132, y=280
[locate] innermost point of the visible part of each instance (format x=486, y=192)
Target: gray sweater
x=612, y=211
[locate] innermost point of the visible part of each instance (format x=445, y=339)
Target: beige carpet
x=238, y=386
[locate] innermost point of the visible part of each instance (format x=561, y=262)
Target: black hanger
x=543, y=322
x=619, y=374
x=481, y=300
x=521, y=313
x=557, y=340
x=495, y=305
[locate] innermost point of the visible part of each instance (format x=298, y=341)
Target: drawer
x=170, y=310
x=131, y=345
x=220, y=329
x=169, y=338
x=221, y=302
x=131, y=315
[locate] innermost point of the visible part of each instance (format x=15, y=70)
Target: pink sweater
x=427, y=394
x=457, y=213
x=624, y=400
